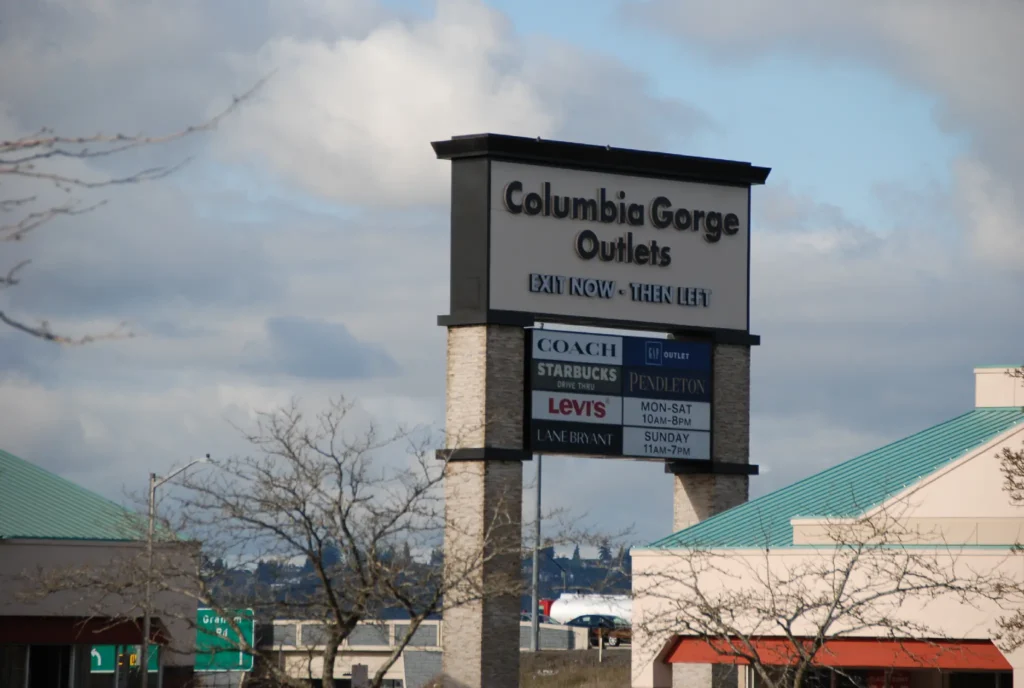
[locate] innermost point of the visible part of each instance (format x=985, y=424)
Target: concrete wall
x=25, y=564
x=298, y=644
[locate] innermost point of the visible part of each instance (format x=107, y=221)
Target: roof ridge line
x=78, y=488
x=784, y=491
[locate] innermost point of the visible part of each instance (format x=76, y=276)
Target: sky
x=302, y=253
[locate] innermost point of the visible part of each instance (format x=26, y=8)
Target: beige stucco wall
x=995, y=387
x=663, y=581
x=954, y=509
x=962, y=503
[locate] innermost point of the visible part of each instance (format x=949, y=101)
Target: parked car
x=616, y=630
x=524, y=616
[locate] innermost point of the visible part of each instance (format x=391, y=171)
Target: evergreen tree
x=576, y=560
x=604, y=553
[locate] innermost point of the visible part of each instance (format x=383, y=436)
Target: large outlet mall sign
x=602, y=395
x=555, y=232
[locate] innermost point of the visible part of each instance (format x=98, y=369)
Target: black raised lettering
x=635, y=214
x=584, y=209
x=732, y=224
x=562, y=210
x=682, y=219
x=510, y=204
x=697, y=215
x=533, y=203
x=641, y=254
x=661, y=212
x=607, y=208
x=586, y=244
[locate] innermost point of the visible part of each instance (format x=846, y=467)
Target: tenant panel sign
x=603, y=395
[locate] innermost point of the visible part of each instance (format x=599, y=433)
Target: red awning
x=69, y=630
x=851, y=653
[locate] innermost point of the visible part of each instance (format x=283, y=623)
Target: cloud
x=303, y=252
x=319, y=350
x=966, y=55
x=364, y=138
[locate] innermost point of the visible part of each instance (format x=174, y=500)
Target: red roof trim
x=850, y=653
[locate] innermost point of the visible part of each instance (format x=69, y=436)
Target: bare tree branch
x=339, y=521
x=859, y=580
x=29, y=159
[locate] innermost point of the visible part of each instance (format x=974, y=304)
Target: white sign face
x=666, y=444
x=660, y=413
x=552, y=345
x=577, y=408
x=615, y=247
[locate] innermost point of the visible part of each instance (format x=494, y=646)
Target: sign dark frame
x=471, y=156
x=672, y=465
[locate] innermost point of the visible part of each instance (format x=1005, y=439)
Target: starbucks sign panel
x=609, y=246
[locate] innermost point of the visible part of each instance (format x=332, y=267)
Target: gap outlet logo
x=653, y=353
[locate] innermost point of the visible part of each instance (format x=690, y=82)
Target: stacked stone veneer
x=697, y=497
x=483, y=507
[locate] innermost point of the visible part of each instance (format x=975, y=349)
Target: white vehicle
x=570, y=605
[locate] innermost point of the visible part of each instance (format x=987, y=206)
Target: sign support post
x=483, y=505
x=599, y=237
x=698, y=496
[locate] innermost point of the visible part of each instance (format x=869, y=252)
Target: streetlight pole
x=535, y=630
x=535, y=618
x=154, y=483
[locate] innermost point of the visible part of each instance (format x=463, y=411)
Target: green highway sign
x=102, y=658
x=217, y=643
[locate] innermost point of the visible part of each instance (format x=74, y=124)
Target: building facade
x=897, y=563
x=298, y=646
x=53, y=536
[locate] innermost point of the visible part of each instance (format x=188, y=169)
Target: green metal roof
x=847, y=489
x=35, y=503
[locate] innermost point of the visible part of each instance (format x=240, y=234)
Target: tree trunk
x=330, y=653
x=798, y=677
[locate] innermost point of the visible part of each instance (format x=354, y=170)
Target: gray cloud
x=963, y=54
x=869, y=333
x=253, y=226
x=319, y=350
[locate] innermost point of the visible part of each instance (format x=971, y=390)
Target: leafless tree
x=1012, y=462
x=339, y=525
x=37, y=186
x=865, y=577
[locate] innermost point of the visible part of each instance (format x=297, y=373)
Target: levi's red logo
x=572, y=407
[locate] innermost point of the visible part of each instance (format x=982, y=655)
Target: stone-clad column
x=483, y=504
x=697, y=497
